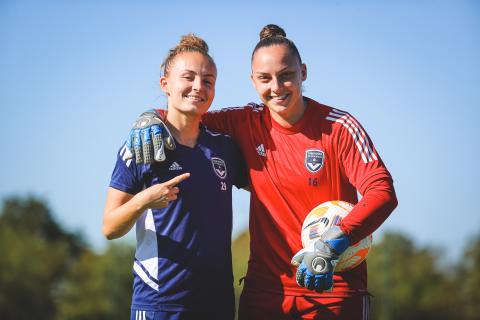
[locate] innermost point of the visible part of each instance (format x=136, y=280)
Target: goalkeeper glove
x=149, y=137
x=316, y=263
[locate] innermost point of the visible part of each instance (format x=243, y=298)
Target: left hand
x=160, y=195
x=316, y=263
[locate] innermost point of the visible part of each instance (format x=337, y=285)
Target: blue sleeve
x=126, y=175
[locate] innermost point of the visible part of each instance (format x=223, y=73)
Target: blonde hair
x=188, y=43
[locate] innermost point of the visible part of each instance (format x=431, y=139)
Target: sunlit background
x=75, y=74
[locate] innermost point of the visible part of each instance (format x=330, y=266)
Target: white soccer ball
x=329, y=214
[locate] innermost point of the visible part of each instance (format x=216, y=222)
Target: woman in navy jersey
x=300, y=153
x=181, y=207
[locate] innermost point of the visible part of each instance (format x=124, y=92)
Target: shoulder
x=351, y=134
x=322, y=111
x=339, y=125
x=247, y=109
x=127, y=175
x=125, y=157
x=335, y=117
x=343, y=121
x=216, y=138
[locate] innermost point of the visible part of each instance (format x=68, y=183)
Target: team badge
x=314, y=160
x=219, y=167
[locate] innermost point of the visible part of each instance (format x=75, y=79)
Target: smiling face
x=190, y=83
x=277, y=75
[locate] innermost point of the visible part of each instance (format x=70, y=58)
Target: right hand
x=316, y=263
x=159, y=195
x=149, y=137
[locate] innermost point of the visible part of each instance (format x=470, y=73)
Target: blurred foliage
x=35, y=255
x=47, y=272
x=98, y=286
x=32, y=216
x=407, y=283
x=240, y=254
x=469, y=276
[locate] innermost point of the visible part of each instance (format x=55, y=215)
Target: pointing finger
x=173, y=182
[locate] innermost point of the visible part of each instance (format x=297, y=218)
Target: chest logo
x=175, y=166
x=314, y=160
x=219, y=167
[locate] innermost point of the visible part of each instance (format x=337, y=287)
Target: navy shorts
x=179, y=315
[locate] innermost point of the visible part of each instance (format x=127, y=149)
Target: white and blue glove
x=149, y=137
x=316, y=263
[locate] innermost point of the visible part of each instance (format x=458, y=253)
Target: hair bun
x=188, y=43
x=272, y=30
x=192, y=41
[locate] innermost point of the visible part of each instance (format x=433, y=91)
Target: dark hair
x=188, y=43
x=271, y=35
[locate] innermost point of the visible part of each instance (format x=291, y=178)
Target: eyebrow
x=205, y=75
x=281, y=71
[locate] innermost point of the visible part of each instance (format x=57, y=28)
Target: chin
x=195, y=110
x=277, y=108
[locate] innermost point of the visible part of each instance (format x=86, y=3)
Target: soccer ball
x=329, y=214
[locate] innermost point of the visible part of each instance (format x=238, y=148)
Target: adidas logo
x=261, y=150
x=174, y=167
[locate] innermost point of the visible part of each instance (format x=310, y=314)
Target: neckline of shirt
x=200, y=139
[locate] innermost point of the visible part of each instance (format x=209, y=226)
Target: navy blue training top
x=183, y=257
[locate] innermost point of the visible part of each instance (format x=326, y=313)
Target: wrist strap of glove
x=336, y=239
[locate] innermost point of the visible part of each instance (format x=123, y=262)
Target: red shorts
x=255, y=305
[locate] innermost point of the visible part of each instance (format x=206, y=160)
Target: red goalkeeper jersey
x=326, y=155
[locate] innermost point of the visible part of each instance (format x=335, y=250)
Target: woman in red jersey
x=300, y=153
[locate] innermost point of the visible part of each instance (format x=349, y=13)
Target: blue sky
x=74, y=75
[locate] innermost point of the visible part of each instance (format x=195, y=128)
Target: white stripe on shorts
x=366, y=307
x=140, y=315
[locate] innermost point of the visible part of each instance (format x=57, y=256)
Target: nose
x=197, y=83
x=276, y=84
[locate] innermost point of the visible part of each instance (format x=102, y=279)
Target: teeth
x=194, y=97
x=279, y=97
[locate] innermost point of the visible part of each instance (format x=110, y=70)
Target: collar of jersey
x=201, y=138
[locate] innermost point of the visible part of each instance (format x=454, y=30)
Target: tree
x=36, y=253
x=32, y=215
x=407, y=282
x=240, y=255
x=468, y=280
x=98, y=286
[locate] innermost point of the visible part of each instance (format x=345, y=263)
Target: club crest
x=314, y=160
x=219, y=167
